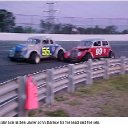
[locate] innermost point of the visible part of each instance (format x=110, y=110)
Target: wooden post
x=22, y=96
x=106, y=69
x=122, y=65
x=71, y=85
x=50, y=87
x=89, y=73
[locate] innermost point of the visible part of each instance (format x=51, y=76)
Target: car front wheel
x=60, y=55
x=111, y=55
x=34, y=58
x=87, y=57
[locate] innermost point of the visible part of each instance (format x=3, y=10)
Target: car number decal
x=99, y=51
x=46, y=51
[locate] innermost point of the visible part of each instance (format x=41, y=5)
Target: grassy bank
x=103, y=98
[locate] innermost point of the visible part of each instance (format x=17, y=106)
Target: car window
x=33, y=41
x=105, y=43
x=97, y=43
x=51, y=41
x=45, y=42
x=85, y=43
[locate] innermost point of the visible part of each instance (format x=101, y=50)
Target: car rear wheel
x=35, y=58
x=60, y=55
x=111, y=55
x=87, y=57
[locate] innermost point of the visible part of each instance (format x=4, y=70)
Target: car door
x=106, y=48
x=45, y=50
x=97, y=49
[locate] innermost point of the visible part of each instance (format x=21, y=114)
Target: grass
x=74, y=102
x=57, y=113
x=116, y=83
x=60, y=98
x=113, y=101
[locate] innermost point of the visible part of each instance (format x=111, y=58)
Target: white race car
x=36, y=48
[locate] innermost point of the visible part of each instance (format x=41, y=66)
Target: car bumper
x=15, y=55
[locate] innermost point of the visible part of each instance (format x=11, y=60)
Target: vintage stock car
x=90, y=49
x=36, y=48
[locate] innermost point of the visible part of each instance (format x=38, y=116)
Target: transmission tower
x=50, y=12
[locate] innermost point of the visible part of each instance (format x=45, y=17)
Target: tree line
x=7, y=24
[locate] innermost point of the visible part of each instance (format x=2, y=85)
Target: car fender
x=57, y=50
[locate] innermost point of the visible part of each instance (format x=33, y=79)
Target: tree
x=110, y=30
x=7, y=20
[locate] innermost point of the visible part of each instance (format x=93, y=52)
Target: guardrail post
x=122, y=65
x=89, y=73
x=22, y=96
x=71, y=85
x=106, y=69
x=50, y=84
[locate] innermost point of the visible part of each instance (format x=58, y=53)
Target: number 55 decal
x=99, y=51
x=46, y=51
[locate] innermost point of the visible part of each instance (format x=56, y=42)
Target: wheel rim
x=37, y=60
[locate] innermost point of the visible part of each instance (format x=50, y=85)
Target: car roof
x=94, y=39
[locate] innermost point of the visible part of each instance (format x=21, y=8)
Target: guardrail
x=50, y=81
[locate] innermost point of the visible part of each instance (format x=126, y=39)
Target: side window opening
x=105, y=43
x=98, y=43
x=51, y=41
x=45, y=41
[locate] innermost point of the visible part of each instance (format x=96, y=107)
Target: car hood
x=19, y=47
x=81, y=48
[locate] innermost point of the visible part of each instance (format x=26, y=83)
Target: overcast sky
x=85, y=9
x=97, y=9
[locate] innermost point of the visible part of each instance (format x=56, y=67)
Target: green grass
x=60, y=98
x=57, y=113
x=74, y=102
x=117, y=83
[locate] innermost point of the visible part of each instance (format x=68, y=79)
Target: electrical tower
x=51, y=12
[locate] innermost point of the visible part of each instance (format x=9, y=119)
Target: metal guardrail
x=50, y=81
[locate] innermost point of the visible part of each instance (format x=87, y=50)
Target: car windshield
x=85, y=43
x=33, y=41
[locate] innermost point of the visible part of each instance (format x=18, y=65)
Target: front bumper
x=16, y=54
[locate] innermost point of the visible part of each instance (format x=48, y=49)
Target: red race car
x=90, y=49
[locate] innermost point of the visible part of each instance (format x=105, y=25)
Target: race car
x=36, y=48
x=90, y=49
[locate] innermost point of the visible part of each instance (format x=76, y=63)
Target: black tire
x=60, y=55
x=12, y=59
x=34, y=58
x=87, y=57
x=111, y=55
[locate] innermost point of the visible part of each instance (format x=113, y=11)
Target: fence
x=50, y=81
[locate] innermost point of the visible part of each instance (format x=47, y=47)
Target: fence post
x=122, y=65
x=50, y=87
x=89, y=73
x=106, y=69
x=71, y=85
x=22, y=96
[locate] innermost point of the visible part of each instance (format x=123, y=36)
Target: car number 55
x=46, y=51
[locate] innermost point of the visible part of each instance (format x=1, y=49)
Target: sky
x=102, y=9
x=83, y=9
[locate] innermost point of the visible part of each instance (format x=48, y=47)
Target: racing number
x=98, y=51
x=46, y=51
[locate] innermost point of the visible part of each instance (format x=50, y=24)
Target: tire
x=87, y=57
x=12, y=59
x=34, y=58
x=60, y=55
x=111, y=55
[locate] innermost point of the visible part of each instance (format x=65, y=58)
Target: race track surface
x=10, y=70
